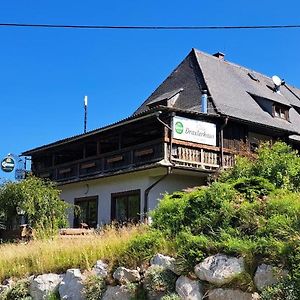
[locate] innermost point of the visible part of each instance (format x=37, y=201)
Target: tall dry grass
x=59, y=254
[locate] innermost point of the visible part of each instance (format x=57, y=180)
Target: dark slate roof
x=231, y=89
x=165, y=96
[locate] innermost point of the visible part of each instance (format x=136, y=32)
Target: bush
x=169, y=216
x=18, y=291
x=171, y=297
x=278, y=163
x=40, y=201
x=253, y=187
x=191, y=250
x=159, y=280
x=141, y=248
x=94, y=287
x=283, y=290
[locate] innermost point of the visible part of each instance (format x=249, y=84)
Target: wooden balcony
x=205, y=158
x=127, y=158
x=187, y=155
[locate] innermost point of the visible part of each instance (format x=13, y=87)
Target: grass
x=60, y=254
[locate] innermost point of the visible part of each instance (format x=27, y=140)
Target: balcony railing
x=114, y=161
x=200, y=158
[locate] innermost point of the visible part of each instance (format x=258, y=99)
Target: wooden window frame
x=87, y=199
x=279, y=111
x=128, y=193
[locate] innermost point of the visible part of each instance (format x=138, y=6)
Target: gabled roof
x=231, y=88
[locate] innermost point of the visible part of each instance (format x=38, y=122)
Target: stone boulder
x=3, y=288
x=124, y=275
x=43, y=285
x=267, y=275
x=119, y=292
x=165, y=261
x=189, y=289
x=230, y=294
x=101, y=268
x=72, y=285
x=219, y=269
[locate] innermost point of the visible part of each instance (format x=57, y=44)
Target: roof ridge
x=232, y=63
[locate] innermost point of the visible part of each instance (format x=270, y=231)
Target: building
x=193, y=124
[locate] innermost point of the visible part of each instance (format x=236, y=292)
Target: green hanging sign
x=8, y=164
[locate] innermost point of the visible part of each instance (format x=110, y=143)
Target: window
x=125, y=207
x=280, y=111
x=88, y=211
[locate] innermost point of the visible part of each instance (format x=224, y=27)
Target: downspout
x=222, y=142
x=147, y=191
x=169, y=169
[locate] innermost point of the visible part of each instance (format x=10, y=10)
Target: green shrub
x=278, y=163
x=192, y=249
x=169, y=216
x=94, y=287
x=283, y=290
x=18, y=291
x=159, y=280
x=171, y=297
x=209, y=208
x=253, y=187
x=141, y=248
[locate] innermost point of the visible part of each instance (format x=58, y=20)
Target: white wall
x=104, y=187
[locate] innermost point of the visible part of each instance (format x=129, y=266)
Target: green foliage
x=94, y=287
x=252, y=211
x=278, y=163
x=283, y=290
x=18, y=291
x=171, y=297
x=169, y=217
x=159, y=280
x=141, y=248
x=53, y=296
x=39, y=200
x=209, y=208
x=253, y=187
x=192, y=249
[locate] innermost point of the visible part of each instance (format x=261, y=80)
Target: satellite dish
x=276, y=80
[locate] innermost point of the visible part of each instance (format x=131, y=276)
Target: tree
x=40, y=201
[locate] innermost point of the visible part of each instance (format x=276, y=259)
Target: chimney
x=219, y=55
x=204, y=102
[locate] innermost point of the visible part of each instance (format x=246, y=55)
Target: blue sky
x=45, y=73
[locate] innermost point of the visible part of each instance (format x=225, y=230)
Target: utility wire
x=148, y=27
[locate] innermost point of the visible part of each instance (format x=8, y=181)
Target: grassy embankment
x=57, y=255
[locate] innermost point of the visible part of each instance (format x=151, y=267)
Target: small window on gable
x=280, y=111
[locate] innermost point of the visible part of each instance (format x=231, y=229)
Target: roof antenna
x=85, y=112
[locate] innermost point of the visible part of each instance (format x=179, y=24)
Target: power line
x=148, y=27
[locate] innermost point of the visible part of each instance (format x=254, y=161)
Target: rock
x=3, y=288
x=189, y=289
x=166, y=262
x=229, y=294
x=267, y=275
x=101, y=268
x=72, y=285
x=9, y=282
x=43, y=285
x=124, y=275
x=219, y=269
x=119, y=292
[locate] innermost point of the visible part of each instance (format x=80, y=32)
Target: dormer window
x=167, y=99
x=280, y=111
